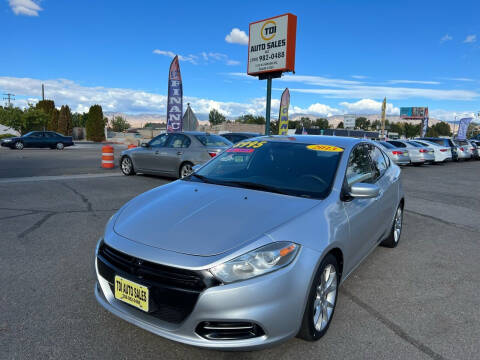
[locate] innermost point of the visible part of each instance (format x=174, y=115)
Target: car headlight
x=7, y=140
x=257, y=262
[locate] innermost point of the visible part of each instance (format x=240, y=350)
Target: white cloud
x=187, y=58
x=460, y=79
x=470, y=39
x=25, y=7
x=369, y=106
x=237, y=36
x=360, y=92
x=316, y=109
x=360, y=77
x=445, y=38
x=414, y=82
x=194, y=59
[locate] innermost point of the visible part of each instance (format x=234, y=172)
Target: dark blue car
x=38, y=139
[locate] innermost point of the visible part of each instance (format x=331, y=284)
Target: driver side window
x=359, y=168
x=159, y=141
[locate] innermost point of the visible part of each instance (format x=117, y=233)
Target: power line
x=9, y=97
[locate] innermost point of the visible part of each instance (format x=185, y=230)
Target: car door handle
x=179, y=152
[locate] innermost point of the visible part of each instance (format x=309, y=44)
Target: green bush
x=95, y=124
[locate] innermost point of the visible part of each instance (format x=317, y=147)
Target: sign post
x=271, y=52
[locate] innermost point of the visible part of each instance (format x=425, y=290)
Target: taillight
x=473, y=149
x=423, y=150
x=212, y=153
x=462, y=149
x=397, y=152
x=443, y=150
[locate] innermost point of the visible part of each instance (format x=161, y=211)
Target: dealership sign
x=349, y=121
x=414, y=113
x=271, y=45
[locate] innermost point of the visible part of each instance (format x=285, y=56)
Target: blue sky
x=349, y=54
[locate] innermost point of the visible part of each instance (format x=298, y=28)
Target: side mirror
x=364, y=191
x=196, y=167
x=145, y=145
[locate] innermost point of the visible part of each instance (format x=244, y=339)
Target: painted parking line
x=60, y=177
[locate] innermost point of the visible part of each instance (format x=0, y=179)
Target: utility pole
x=384, y=109
x=43, y=92
x=9, y=98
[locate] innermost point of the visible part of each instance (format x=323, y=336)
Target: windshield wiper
x=203, y=178
x=256, y=186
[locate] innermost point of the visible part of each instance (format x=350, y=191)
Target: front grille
x=216, y=330
x=173, y=291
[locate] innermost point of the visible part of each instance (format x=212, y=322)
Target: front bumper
x=275, y=302
x=7, y=144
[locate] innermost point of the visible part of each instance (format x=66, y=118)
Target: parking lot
x=418, y=301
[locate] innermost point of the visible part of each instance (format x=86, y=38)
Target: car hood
x=205, y=219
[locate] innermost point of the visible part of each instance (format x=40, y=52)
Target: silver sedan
x=172, y=154
x=251, y=248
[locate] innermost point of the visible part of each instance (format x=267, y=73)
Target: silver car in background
x=251, y=248
x=172, y=154
x=398, y=155
x=463, y=149
x=418, y=155
x=442, y=153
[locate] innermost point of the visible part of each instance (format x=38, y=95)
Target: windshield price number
x=276, y=55
x=250, y=144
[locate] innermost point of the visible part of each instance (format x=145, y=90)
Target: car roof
x=340, y=141
x=241, y=133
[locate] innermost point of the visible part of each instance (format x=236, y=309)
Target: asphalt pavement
x=418, y=301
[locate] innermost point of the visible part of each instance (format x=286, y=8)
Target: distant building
x=7, y=130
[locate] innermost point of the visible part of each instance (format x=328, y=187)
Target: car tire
x=126, y=165
x=185, y=170
x=322, y=299
x=396, y=232
x=59, y=146
x=19, y=145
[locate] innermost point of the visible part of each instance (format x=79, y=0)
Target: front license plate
x=131, y=293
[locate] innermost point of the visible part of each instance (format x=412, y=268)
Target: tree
x=48, y=107
x=340, y=125
x=11, y=117
x=79, y=120
x=321, y=123
x=119, y=124
x=95, y=124
x=396, y=128
x=442, y=128
x=33, y=119
x=215, y=118
x=362, y=123
x=411, y=130
x=65, y=126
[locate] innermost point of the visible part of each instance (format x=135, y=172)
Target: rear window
x=213, y=140
x=387, y=145
x=413, y=143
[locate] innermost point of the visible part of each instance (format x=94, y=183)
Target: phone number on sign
x=272, y=56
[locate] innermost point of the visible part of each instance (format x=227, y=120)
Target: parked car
x=38, y=139
x=443, y=142
x=442, y=153
x=475, y=148
x=398, y=155
x=418, y=155
x=235, y=137
x=230, y=257
x=172, y=154
x=463, y=149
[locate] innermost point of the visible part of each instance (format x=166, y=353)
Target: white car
x=441, y=153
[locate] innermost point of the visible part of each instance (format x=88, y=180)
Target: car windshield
x=386, y=144
x=213, y=140
x=289, y=168
x=29, y=133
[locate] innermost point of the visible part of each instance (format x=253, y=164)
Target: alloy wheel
x=126, y=165
x=60, y=146
x=186, y=170
x=397, y=229
x=19, y=145
x=325, y=298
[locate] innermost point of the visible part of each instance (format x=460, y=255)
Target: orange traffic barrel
x=107, y=157
x=131, y=146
